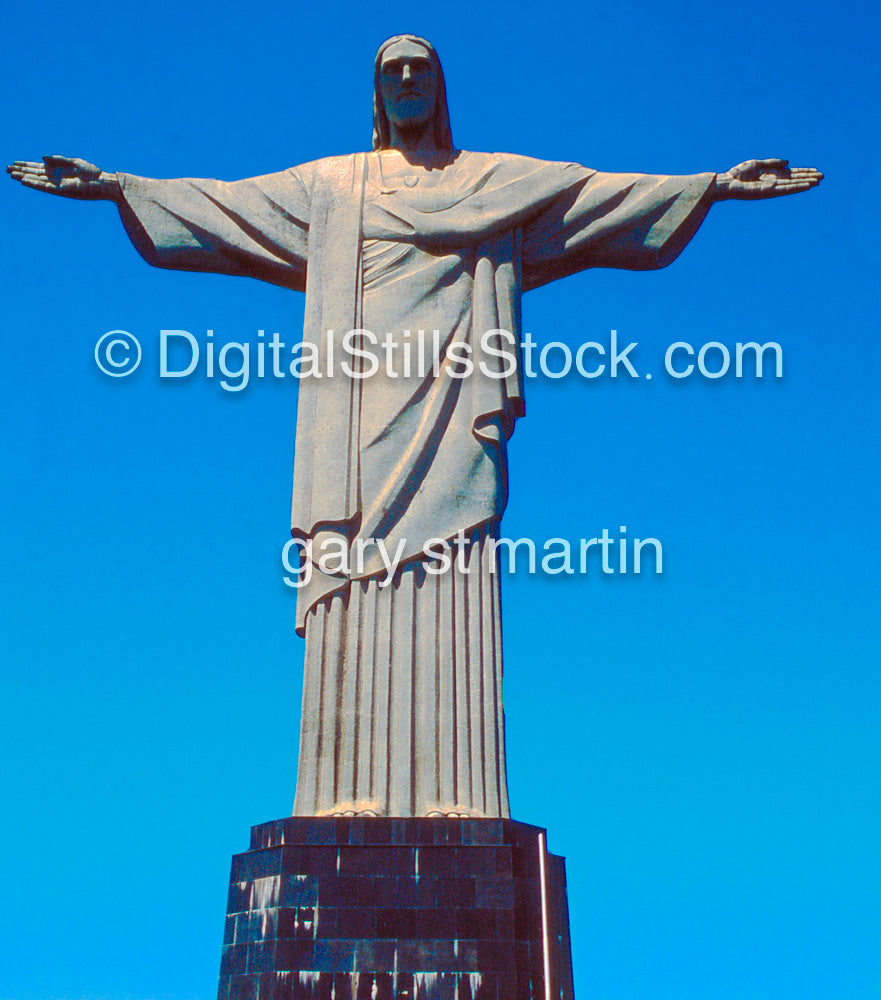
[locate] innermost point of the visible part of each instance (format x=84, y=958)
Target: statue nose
x=406, y=75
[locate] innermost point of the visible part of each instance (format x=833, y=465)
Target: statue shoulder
x=513, y=166
x=328, y=167
x=534, y=162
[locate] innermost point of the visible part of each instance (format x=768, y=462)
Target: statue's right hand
x=66, y=175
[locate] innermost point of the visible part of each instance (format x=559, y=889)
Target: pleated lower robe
x=402, y=695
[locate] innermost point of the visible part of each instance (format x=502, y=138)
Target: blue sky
x=702, y=746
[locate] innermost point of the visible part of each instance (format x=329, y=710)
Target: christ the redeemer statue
x=402, y=711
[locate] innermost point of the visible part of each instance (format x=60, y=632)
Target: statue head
x=409, y=93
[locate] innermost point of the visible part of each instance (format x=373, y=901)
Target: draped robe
x=402, y=710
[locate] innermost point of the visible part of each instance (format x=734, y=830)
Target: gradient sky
x=702, y=746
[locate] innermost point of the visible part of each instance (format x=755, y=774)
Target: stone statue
x=402, y=711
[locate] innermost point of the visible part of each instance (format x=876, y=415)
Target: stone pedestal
x=374, y=908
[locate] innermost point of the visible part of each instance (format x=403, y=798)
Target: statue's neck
x=417, y=144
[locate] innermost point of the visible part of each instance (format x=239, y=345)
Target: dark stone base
x=373, y=908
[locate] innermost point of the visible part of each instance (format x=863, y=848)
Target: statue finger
x=806, y=178
x=40, y=185
x=27, y=168
x=19, y=174
x=790, y=187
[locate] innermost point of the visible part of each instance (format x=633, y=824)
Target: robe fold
x=408, y=459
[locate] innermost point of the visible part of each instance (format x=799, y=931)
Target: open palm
x=67, y=176
x=756, y=179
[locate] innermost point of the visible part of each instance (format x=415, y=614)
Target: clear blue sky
x=702, y=746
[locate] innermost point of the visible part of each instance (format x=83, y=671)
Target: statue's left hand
x=765, y=179
x=68, y=176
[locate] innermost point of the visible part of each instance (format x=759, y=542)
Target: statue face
x=408, y=84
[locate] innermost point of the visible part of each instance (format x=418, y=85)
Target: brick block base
x=375, y=908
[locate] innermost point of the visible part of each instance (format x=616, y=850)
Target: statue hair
x=443, y=135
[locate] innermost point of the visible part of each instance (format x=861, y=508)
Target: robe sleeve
x=258, y=227
x=633, y=221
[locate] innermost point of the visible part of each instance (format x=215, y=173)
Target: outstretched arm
x=641, y=221
x=257, y=227
x=68, y=176
x=757, y=179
